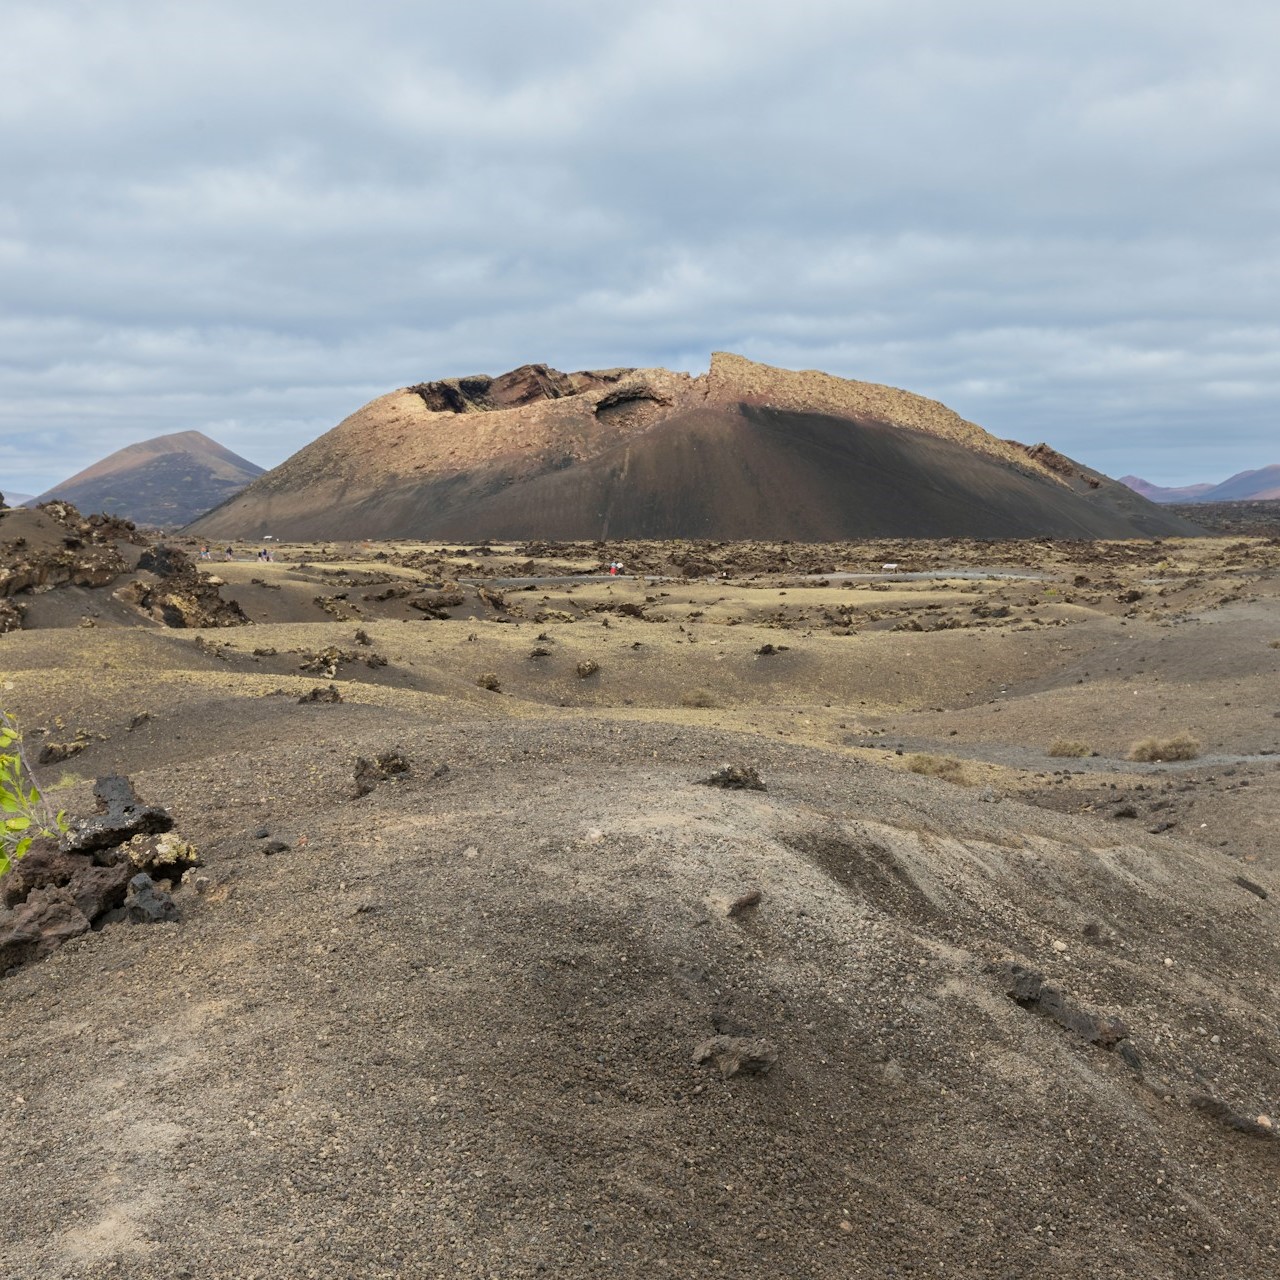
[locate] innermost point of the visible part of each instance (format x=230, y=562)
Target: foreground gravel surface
x=1020, y=1007
x=449, y=1031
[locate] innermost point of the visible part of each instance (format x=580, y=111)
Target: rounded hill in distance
x=166, y=481
x=744, y=451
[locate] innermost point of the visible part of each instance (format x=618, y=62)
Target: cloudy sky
x=1062, y=219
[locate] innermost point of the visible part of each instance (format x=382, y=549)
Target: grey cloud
x=250, y=218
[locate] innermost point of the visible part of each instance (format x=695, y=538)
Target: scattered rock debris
x=385, y=765
x=96, y=874
x=165, y=856
x=735, y=777
x=327, y=661
x=120, y=816
x=1029, y=989
x=146, y=904
x=436, y=605
x=56, y=752
x=1249, y=885
x=318, y=694
x=181, y=596
x=737, y=1055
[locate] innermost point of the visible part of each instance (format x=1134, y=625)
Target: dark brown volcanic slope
x=169, y=480
x=744, y=451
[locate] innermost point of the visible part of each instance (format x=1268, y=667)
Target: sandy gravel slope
x=449, y=1030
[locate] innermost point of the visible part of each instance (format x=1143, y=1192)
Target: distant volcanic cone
x=167, y=480
x=743, y=451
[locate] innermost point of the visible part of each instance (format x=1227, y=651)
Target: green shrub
x=1182, y=746
x=23, y=811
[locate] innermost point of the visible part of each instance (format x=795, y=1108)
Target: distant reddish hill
x=743, y=451
x=168, y=480
x=1158, y=493
x=1245, y=486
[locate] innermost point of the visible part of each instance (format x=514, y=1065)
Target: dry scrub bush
x=1063, y=747
x=1182, y=746
x=697, y=698
x=948, y=768
x=489, y=681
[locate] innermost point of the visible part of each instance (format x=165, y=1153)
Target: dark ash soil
x=447, y=1026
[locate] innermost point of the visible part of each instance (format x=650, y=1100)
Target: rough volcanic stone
x=731, y=1055
x=146, y=904
x=121, y=815
x=47, y=919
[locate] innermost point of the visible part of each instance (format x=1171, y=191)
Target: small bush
x=587, y=667
x=948, y=768
x=697, y=698
x=1182, y=746
x=23, y=811
x=1069, y=747
x=489, y=681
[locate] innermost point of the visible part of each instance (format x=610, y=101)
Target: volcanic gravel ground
x=449, y=1027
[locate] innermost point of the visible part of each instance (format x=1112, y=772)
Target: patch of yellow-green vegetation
x=23, y=811
x=1182, y=746
x=1069, y=748
x=948, y=768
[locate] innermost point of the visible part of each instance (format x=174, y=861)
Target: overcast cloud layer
x=1062, y=219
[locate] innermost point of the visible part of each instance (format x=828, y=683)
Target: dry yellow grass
x=1182, y=746
x=1069, y=747
x=948, y=768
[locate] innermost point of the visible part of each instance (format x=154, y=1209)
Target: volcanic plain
x=757, y=909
